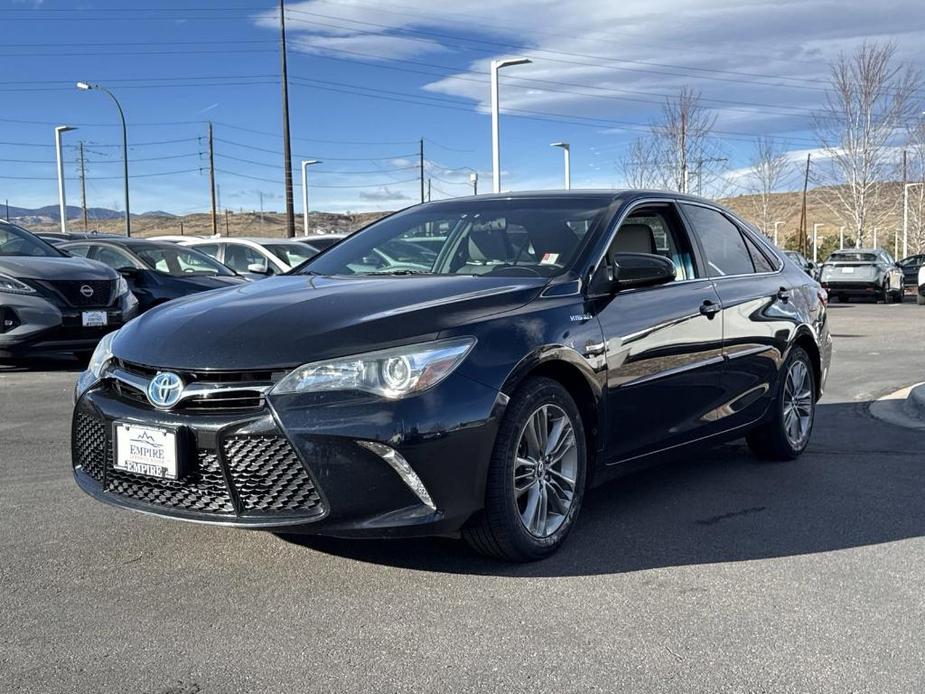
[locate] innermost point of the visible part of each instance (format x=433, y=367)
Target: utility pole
x=212, y=182
x=803, y=208
x=422, y=169
x=260, y=195
x=226, y=224
x=428, y=190
x=7, y=210
x=181, y=227
x=83, y=186
x=287, y=151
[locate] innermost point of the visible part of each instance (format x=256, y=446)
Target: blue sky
x=368, y=79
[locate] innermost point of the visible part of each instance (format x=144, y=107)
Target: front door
x=663, y=344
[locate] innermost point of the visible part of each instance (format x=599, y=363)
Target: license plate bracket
x=148, y=451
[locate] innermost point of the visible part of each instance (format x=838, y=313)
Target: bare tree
x=915, y=173
x=769, y=168
x=870, y=99
x=678, y=152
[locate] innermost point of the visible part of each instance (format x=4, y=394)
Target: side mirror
x=261, y=268
x=633, y=270
x=128, y=273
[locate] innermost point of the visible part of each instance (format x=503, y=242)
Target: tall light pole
x=906, y=188
x=496, y=65
x=776, y=227
x=841, y=238
x=62, y=206
x=815, y=241
x=564, y=146
x=85, y=86
x=305, y=164
x=474, y=180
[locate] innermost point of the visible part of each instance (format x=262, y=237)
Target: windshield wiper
x=400, y=272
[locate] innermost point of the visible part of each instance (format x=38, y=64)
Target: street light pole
x=776, y=227
x=815, y=241
x=496, y=65
x=305, y=164
x=62, y=206
x=564, y=146
x=85, y=86
x=474, y=180
x=906, y=188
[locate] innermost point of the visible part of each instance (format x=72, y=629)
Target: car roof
x=604, y=195
x=124, y=242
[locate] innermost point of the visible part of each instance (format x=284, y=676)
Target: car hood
x=64, y=268
x=282, y=322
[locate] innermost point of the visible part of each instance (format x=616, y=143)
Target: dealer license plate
x=94, y=319
x=146, y=451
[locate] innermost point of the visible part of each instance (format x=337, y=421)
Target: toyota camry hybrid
x=555, y=340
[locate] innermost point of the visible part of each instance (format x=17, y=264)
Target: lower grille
x=266, y=475
x=203, y=490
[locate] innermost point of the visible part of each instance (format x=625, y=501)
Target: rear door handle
x=709, y=309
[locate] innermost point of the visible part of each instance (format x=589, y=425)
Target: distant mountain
x=49, y=213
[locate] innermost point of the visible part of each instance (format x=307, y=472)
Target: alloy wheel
x=798, y=404
x=545, y=470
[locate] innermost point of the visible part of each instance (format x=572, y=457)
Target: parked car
x=809, y=267
x=51, y=302
x=556, y=340
x=863, y=272
x=157, y=271
x=174, y=238
x=910, y=267
x=255, y=256
x=920, y=293
x=56, y=238
x=321, y=242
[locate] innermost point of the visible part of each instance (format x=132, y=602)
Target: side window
x=759, y=259
x=81, y=251
x=210, y=249
x=239, y=256
x=657, y=230
x=723, y=245
x=113, y=258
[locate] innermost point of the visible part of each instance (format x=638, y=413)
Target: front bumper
x=40, y=326
x=295, y=462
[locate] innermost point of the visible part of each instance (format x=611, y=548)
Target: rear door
x=663, y=344
x=758, y=317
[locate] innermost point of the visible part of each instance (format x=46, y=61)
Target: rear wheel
x=786, y=434
x=536, y=478
x=920, y=299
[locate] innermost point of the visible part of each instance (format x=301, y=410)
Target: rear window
x=853, y=257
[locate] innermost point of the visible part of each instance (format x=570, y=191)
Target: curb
x=904, y=407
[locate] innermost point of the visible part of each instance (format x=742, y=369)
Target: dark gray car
x=52, y=302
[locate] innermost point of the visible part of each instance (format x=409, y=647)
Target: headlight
x=101, y=356
x=121, y=286
x=391, y=373
x=11, y=285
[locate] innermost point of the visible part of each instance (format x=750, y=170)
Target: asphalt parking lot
x=715, y=573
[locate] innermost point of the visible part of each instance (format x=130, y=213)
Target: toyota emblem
x=165, y=389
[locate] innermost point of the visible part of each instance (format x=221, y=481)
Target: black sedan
x=555, y=340
x=910, y=267
x=156, y=271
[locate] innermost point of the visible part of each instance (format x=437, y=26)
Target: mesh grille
x=268, y=475
x=100, y=292
x=203, y=489
x=92, y=445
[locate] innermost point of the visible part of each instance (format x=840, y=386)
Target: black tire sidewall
x=796, y=354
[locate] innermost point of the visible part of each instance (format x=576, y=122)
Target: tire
x=770, y=440
x=886, y=296
x=920, y=299
x=501, y=531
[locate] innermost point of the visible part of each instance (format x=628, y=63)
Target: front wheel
x=536, y=478
x=786, y=434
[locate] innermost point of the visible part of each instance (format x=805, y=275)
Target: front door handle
x=709, y=309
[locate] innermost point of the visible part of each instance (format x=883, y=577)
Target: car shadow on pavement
x=859, y=483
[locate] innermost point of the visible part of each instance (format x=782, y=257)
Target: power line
x=276, y=151
x=317, y=172
x=102, y=178
x=320, y=185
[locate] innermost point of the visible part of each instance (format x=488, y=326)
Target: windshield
x=180, y=262
x=291, y=253
x=539, y=237
x=852, y=257
x=15, y=240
